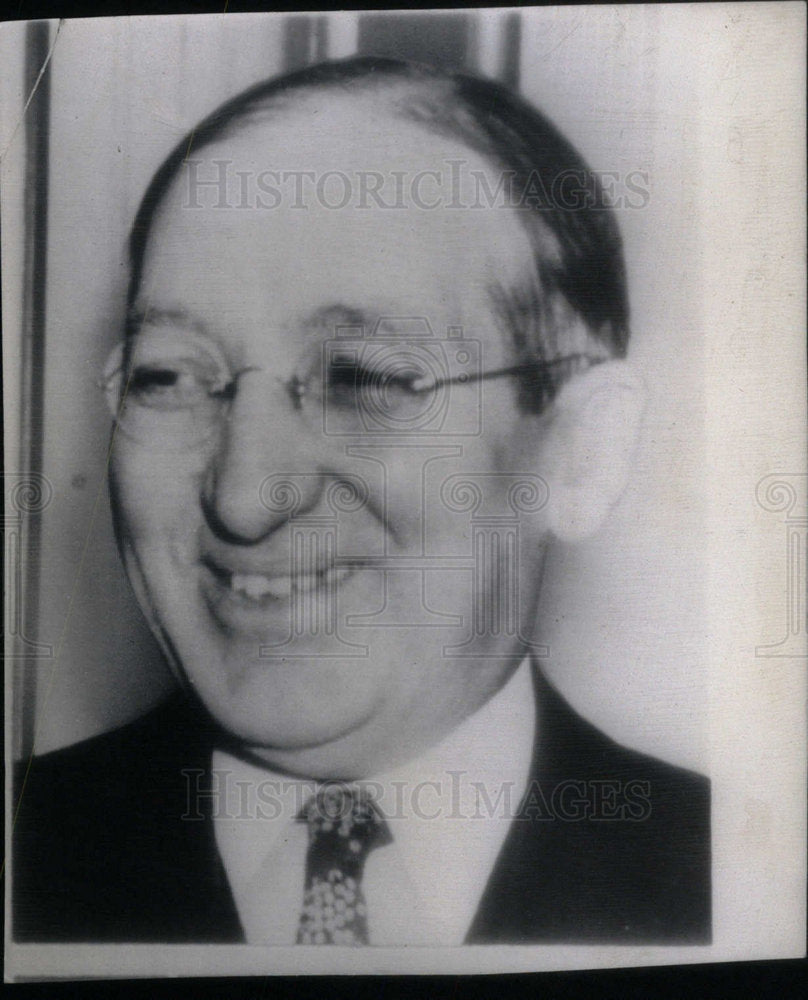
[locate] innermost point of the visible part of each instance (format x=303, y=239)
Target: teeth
x=256, y=586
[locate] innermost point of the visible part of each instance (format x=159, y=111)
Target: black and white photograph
x=405, y=490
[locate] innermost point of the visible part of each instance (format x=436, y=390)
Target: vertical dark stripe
x=296, y=42
x=320, y=39
x=439, y=39
x=511, y=45
x=32, y=393
x=473, y=44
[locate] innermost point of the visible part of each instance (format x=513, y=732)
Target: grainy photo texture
x=361, y=573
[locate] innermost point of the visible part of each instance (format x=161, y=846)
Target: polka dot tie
x=344, y=826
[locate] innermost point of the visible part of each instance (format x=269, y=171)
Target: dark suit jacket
x=609, y=845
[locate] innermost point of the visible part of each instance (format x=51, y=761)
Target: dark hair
x=579, y=268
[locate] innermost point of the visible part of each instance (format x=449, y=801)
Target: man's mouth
x=258, y=588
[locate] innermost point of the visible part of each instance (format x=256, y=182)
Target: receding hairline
x=398, y=94
x=419, y=103
x=419, y=95
x=500, y=126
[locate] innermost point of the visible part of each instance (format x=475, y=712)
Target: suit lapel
x=540, y=886
x=513, y=900
x=196, y=903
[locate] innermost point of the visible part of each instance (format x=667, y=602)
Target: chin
x=281, y=703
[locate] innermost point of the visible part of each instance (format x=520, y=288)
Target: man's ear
x=589, y=447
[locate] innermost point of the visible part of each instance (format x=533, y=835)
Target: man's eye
x=148, y=379
x=170, y=388
x=366, y=380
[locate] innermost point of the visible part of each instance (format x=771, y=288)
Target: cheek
x=154, y=494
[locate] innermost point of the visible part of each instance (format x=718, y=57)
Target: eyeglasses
x=173, y=388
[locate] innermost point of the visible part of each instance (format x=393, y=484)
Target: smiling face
x=301, y=543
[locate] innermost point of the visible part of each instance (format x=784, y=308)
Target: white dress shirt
x=448, y=812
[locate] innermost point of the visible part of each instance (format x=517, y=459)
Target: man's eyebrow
x=331, y=318
x=336, y=315
x=172, y=316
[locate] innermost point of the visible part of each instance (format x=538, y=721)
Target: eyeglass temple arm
x=536, y=369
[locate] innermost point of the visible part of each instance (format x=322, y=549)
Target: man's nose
x=264, y=452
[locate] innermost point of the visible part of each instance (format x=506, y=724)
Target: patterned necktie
x=344, y=826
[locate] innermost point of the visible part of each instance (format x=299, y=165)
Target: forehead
x=334, y=199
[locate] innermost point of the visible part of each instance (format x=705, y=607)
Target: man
x=373, y=364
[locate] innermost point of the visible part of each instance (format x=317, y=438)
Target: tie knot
x=347, y=818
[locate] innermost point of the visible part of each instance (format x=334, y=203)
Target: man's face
x=314, y=564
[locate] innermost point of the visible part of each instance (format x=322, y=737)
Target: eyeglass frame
x=297, y=387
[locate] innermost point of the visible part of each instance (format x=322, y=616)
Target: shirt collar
x=448, y=810
x=459, y=799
